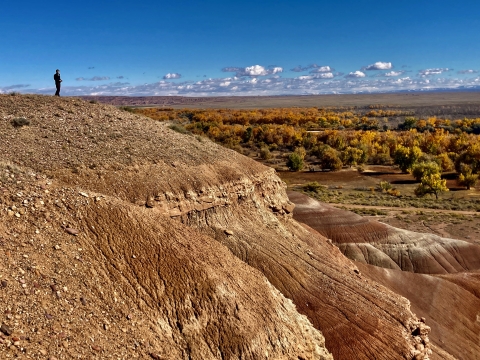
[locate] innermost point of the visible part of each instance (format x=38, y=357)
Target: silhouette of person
x=57, y=79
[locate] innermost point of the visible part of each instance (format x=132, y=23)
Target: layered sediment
x=372, y=242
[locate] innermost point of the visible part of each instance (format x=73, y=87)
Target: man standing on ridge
x=57, y=79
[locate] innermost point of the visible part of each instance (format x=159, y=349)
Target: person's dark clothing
x=58, y=81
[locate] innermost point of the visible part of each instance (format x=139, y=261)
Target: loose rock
x=6, y=330
x=72, y=231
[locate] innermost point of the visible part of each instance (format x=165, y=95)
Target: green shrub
x=265, y=153
x=313, y=186
x=178, y=128
x=295, y=161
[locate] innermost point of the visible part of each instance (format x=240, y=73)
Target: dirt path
x=394, y=208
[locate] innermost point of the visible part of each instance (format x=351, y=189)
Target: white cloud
x=467, y=72
x=393, y=73
x=172, y=76
x=379, y=65
x=434, y=71
x=254, y=70
x=322, y=69
x=356, y=74
x=325, y=75
x=305, y=77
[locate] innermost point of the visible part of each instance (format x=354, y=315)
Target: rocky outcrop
x=371, y=242
x=199, y=240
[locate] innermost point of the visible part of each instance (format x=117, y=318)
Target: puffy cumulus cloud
x=324, y=75
x=356, y=74
x=379, y=65
x=467, y=72
x=322, y=69
x=434, y=71
x=254, y=70
x=393, y=73
x=328, y=75
x=172, y=76
x=95, y=78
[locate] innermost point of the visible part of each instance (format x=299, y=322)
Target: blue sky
x=213, y=47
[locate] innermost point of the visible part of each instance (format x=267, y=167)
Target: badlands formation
x=440, y=276
x=122, y=239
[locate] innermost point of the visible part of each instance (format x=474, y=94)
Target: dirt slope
x=450, y=303
x=173, y=230
x=379, y=244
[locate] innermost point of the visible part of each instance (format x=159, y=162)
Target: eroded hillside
x=450, y=302
x=126, y=239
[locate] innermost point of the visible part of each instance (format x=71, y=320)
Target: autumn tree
x=352, y=156
x=327, y=157
x=406, y=157
x=467, y=178
x=431, y=184
x=424, y=168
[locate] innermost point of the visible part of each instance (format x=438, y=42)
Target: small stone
x=4, y=283
x=83, y=194
x=53, y=287
x=105, y=327
x=57, y=247
x=124, y=330
x=155, y=356
x=83, y=301
x=6, y=330
x=65, y=344
x=150, y=203
x=71, y=231
x=21, y=271
x=48, y=316
x=10, y=213
x=228, y=232
x=43, y=352
x=15, y=338
x=16, y=343
x=288, y=207
x=129, y=317
x=96, y=348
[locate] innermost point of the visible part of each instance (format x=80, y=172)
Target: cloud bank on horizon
x=270, y=80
